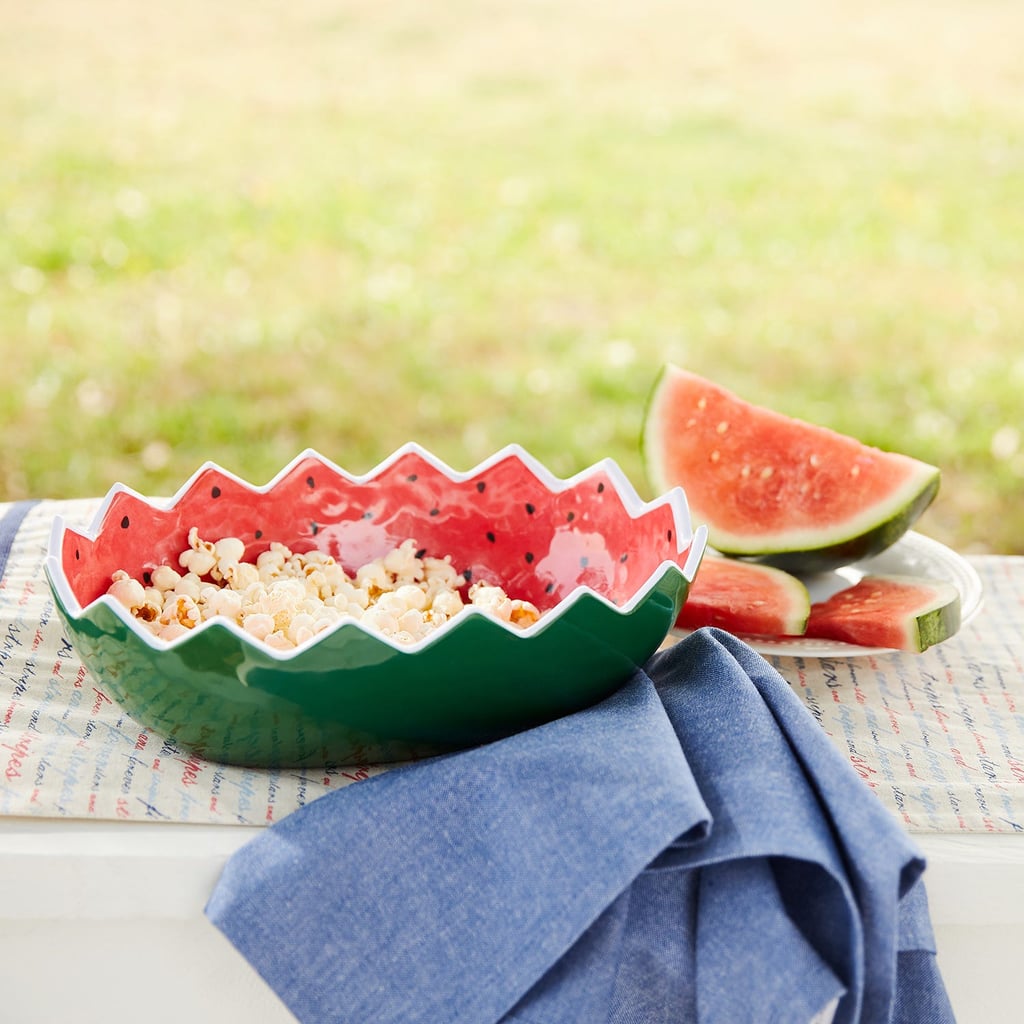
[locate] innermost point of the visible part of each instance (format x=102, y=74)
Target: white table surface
x=103, y=922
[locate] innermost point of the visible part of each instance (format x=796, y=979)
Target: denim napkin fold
x=693, y=848
x=10, y=523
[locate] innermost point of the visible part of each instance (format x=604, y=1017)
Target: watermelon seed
x=714, y=456
x=855, y=471
x=722, y=427
x=745, y=472
x=814, y=460
x=766, y=472
x=702, y=403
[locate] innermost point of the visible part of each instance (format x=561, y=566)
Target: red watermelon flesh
x=745, y=598
x=906, y=613
x=789, y=493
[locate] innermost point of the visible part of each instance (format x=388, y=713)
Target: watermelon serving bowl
x=607, y=571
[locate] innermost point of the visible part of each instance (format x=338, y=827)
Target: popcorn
x=228, y=553
x=285, y=599
x=129, y=592
x=164, y=578
x=491, y=599
x=258, y=624
x=200, y=558
x=446, y=603
x=171, y=631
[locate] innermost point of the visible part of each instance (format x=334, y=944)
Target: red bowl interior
x=503, y=524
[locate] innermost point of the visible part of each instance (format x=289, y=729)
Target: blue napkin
x=691, y=849
x=10, y=523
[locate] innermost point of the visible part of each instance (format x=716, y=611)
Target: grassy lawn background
x=233, y=231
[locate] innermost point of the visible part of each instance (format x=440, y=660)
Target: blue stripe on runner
x=9, y=526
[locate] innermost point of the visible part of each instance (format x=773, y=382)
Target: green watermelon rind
x=932, y=623
x=877, y=528
x=852, y=548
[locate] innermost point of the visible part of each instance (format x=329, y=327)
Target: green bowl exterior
x=352, y=698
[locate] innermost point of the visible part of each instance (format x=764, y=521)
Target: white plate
x=912, y=555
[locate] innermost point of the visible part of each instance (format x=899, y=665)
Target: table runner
x=939, y=737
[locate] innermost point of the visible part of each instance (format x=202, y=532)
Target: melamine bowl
x=608, y=571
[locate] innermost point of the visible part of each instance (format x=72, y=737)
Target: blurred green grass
x=233, y=236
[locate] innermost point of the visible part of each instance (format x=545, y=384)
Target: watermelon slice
x=779, y=490
x=906, y=613
x=745, y=598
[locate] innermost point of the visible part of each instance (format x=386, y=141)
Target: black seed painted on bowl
x=310, y=482
x=490, y=536
x=467, y=574
x=600, y=488
x=530, y=509
x=549, y=588
x=529, y=557
x=570, y=517
x=125, y=523
x=623, y=557
x=481, y=486
x=258, y=534
x=584, y=562
x=435, y=511
x=215, y=492
x=315, y=526
x=412, y=478
x=78, y=555
x=421, y=552
x=368, y=514
x=147, y=578
x=669, y=534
